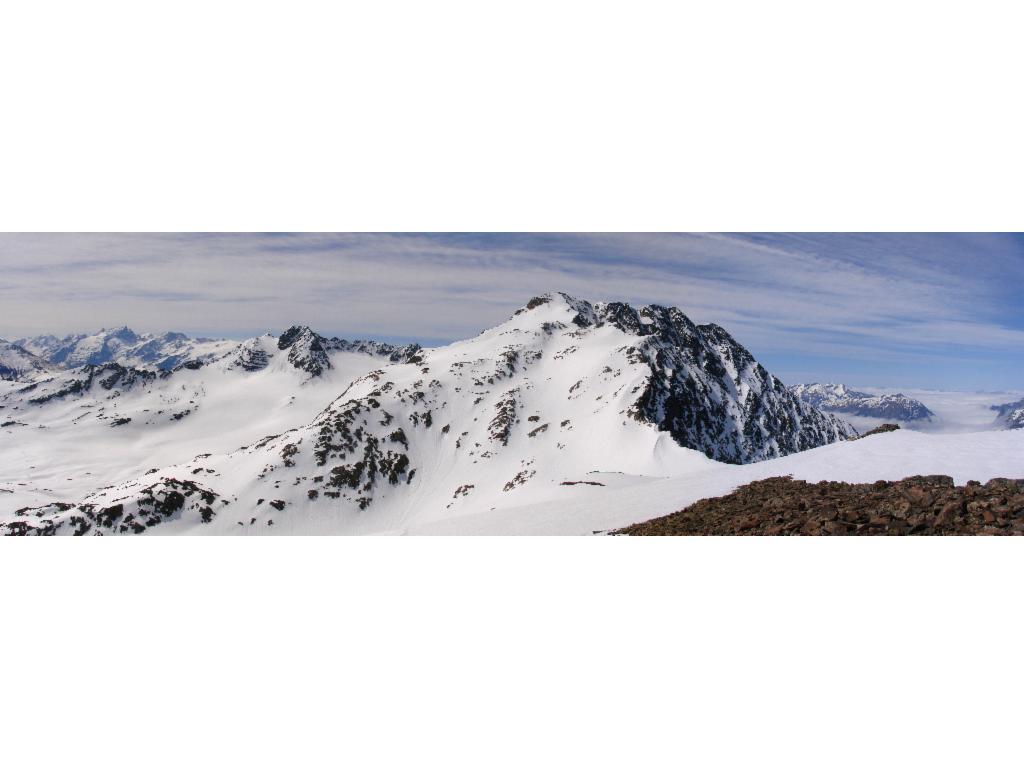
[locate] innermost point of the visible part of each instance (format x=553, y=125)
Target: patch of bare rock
x=880, y=429
x=781, y=506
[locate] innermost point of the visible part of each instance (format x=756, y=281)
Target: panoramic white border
x=537, y=116
x=552, y=115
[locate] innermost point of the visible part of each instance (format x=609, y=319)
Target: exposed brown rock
x=879, y=430
x=919, y=505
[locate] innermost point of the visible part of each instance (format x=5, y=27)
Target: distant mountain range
x=838, y=398
x=124, y=346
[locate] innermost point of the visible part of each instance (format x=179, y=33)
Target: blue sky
x=911, y=310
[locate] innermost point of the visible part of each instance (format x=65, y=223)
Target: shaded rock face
x=881, y=429
x=250, y=357
x=1010, y=415
x=707, y=391
x=839, y=398
x=165, y=500
x=109, y=376
x=921, y=505
x=309, y=351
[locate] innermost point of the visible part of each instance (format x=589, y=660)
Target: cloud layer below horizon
x=941, y=310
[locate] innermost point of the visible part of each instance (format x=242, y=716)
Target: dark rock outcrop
x=707, y=390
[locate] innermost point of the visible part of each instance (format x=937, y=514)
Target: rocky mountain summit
x=706, y=389
x=307, y=351
x=838, y=398
x=310, y=352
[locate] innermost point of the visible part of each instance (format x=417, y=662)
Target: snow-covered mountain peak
x=306, y=349
x=643, y=320
x=16, y=362
x=123, y=345
x=1010, y=415
x=839, y=398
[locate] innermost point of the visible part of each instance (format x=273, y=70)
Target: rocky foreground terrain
x=781, y=506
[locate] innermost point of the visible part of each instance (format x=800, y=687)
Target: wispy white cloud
x=861, y=297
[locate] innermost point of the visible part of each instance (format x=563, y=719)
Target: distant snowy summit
x=16, y=362
x=1010, y=415
x=311, y=352
x=838, y=398
x=124, y=346
x=304, y=349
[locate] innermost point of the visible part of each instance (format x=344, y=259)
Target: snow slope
x=627, y=499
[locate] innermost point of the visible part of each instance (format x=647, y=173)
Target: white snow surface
x=627, y=499
x=516, y=431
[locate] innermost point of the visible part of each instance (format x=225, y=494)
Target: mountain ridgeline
x=838, y=398
x=563, y=388
x=124, y=346
x=705, y=389
x=310, y=352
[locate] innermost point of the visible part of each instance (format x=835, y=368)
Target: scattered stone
x=919, y=505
